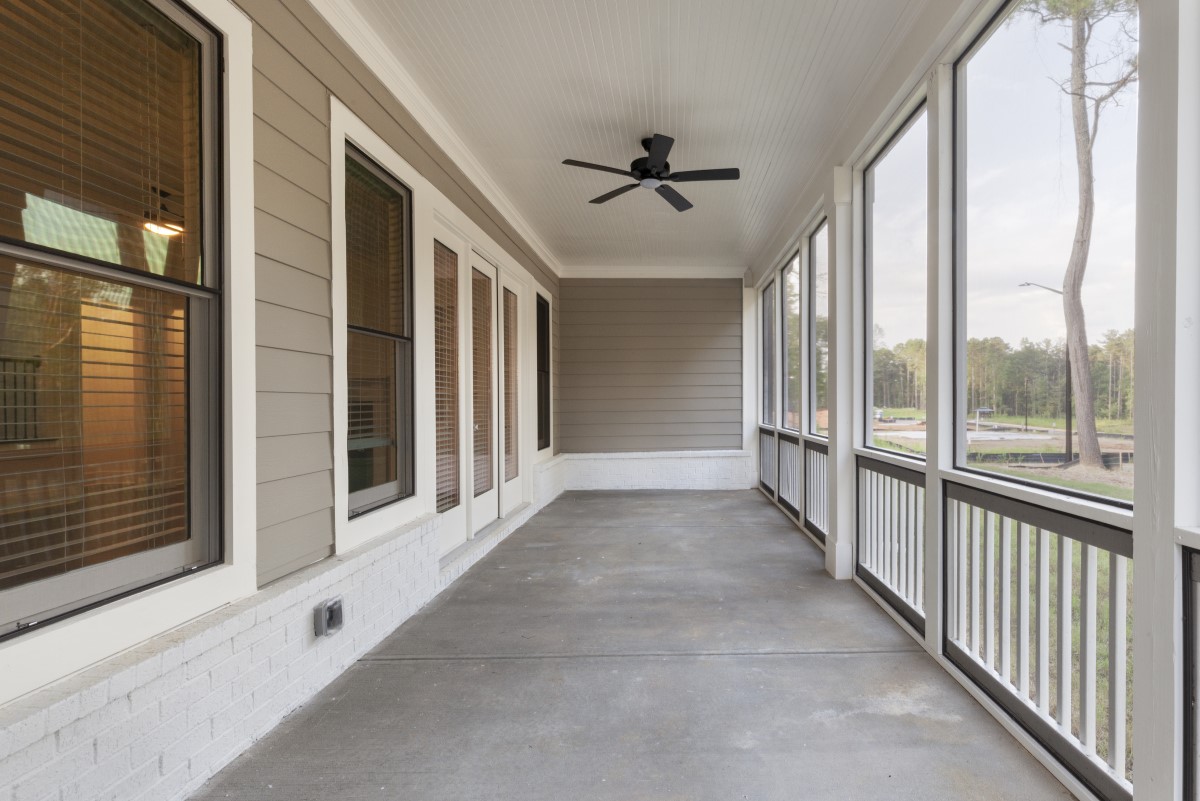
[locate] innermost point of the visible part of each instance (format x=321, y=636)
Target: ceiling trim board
x=349, y=24
x=659, y=271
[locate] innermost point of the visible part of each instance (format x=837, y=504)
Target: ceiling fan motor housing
x=640, y=168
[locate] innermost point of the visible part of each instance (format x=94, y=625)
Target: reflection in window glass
x=792, y=392
x=818, y=268
x=93, y=435
x=1046, y=215
x=896, y=191
x=102, y=134
x=768, y=354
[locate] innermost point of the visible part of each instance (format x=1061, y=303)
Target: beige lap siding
x=298, y=63
x=650, y=365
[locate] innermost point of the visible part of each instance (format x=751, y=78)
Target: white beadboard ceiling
x=762, y=85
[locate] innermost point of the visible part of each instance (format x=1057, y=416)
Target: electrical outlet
x=327, y=617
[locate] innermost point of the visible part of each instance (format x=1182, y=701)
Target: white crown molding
x=660, y=271
x=350, y=25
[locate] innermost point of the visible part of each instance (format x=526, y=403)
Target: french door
x=511, y=306
x=483, y=456
x=450, y=297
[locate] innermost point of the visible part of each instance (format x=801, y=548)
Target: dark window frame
x=544, y=393
x=204, y=357
x=405, y=422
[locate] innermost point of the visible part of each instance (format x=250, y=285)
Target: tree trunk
x=1077, y=344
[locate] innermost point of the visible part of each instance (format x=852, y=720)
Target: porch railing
x=767, y=459
x=790, y=474
x=891, y=535
x=1191, y=674
x=1034, y=598
x=816, y=484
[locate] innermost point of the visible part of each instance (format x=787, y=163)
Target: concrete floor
x=643, y=645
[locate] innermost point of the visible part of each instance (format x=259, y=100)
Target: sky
x=1021, y=198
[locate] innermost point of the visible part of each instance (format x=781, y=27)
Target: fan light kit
x=652, y=171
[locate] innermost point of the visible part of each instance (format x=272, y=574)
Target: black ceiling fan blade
x=600, y=167
x=727, y=174
x=674, y=198
x=607, y=196
x=660, y=147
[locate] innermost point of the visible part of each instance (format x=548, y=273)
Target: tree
x=1095, y=81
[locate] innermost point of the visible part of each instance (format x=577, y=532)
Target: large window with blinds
x=379, y=339
x=445, y=367
x=481, y=381
x=511, y=461
x=109, y=303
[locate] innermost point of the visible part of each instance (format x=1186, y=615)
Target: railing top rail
x=820, y=446
x=1091, y=532
x=906, y=474
x=788, y=436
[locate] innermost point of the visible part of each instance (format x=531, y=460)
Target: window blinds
x=481, y=378
x=445, y=361
x=101, y=367
x=378, y=347
x=99, y=133
x=510, y=385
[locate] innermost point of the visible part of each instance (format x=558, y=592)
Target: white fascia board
x=350, y=25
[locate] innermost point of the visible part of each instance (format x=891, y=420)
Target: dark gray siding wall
x=298, y=63
x=650, y=365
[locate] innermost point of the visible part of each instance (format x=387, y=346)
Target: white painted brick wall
x=699, y=470
x=157, y=721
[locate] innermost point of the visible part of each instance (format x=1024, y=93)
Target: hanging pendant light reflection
x=164, y=229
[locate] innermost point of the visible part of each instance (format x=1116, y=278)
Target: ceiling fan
x=652, y=171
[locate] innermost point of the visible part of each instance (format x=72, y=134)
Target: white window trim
x=346, y=128
x=60, y=649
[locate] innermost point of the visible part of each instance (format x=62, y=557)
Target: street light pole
x=1070, y=445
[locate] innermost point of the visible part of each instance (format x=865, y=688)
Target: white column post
x=839, y=539
x=939, y=353
x=1166, y=323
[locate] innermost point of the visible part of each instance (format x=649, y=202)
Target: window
x=1045, y=192
x=379, y=336
x=895, y=235
x=792, y=392
x=511, y=382
x=481, y=379
x=445, y=367
x=768, y=354
x=543, y=372
x=818, y=306
x=109, y=304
